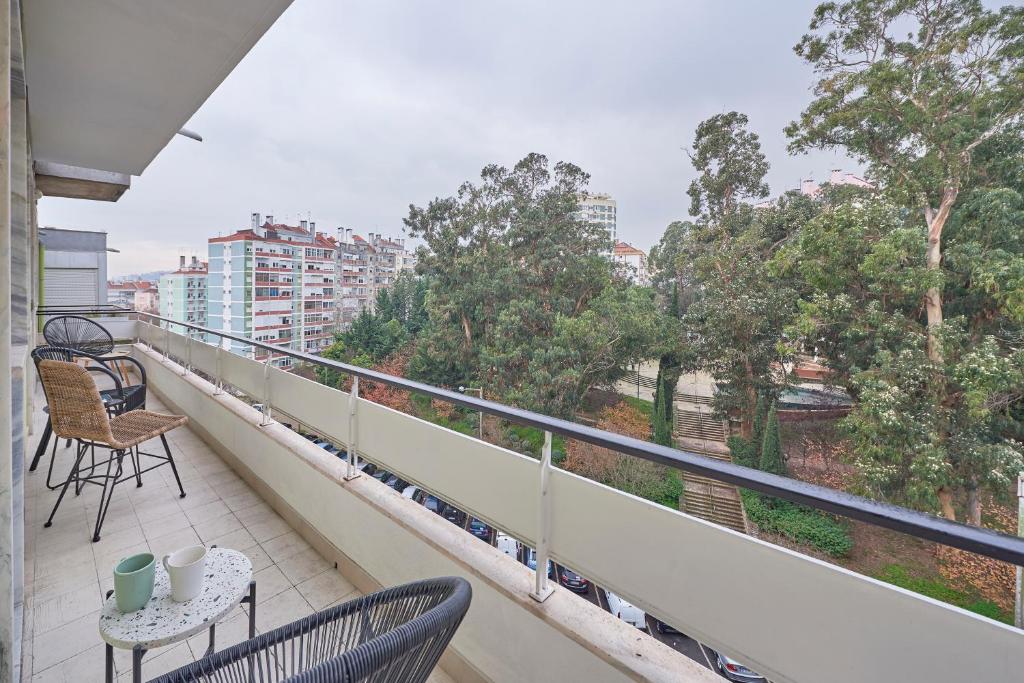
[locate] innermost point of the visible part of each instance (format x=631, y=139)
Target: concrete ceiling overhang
x=110, y=82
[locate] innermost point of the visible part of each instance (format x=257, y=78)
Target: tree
x=520, y=298
x=930, y=433
x=733, y=326
x=730, y=165
x=915, y=107
x=772, y=459
x=672, y=271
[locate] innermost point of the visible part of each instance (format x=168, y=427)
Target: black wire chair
x=396, y=634
x=118, y=400
x=78, y=333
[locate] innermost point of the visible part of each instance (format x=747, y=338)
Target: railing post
x=218, y=383
x=352, y=462
x=266, y=393
x=541, y=589
x=1018, y=608
x=167, y=343
x=188, y=355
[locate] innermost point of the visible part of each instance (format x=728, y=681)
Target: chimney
x=837, y=176
x=371, y=237
x=255, y=221
x=348, y=235
x=270, y=218
x=181, y=262
x=304, y=225
x=195, y=262
x=312, y=228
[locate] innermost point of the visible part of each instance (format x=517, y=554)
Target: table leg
x=137, y=653
x=110, y=664
x=251, y=599
x=213, y=636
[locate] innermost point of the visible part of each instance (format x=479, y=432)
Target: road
x=699, y=653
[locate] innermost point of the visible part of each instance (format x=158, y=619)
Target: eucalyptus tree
x=914, y=89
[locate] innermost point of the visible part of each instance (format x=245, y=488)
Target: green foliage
x=743, y=452
x=521, y=297
x=772, y=459
x=641, y=405
x=729, y=164
x=797, y=523
x=531, y=440
x=734, y=325
x=664, y=400
x=757, y=435
x=898, y=575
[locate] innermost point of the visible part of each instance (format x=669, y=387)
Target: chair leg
x=108, y=492
x=135, y=461
x=67, y=482
x=174, y=468
x=49, y=471
x=43, y=443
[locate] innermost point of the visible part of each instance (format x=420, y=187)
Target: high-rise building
x=183, y=295
x=601, y=209
x=275, y=283
x=365, y=267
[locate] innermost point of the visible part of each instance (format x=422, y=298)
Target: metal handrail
x=985, y=542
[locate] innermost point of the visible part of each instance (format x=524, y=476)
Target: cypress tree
x=759, y=417
x=771, y=448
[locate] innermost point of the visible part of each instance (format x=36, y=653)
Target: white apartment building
x=365, y=267
x=274, y=283
x=600, y=208
x=183, y=295
x=631, y=263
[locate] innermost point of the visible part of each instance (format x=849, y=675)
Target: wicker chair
x=396, y=634
x=77, y=412
x=120, y=399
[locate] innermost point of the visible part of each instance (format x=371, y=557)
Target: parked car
x=382, y=475
x=311, y=437
x=410, y=492
x=368, y=468
x=735, y=671
x=432, y=503
x=508, y=545
x=455, y=516
x=573, y=581
x=623, y=610
x=667, y=629
x=480, y=530
x=531, y=562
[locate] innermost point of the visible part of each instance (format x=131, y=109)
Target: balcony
x=256, y=485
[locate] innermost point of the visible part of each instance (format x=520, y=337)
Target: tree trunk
x=936, y=219
x=946, y=501
x=973, y=505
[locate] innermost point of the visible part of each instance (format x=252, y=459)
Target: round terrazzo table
x=226, y=583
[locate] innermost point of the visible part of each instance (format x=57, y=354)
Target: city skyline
x=401, y=119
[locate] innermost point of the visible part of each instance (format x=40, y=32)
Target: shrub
x=798, y=523
x=743, y=451
x=772, y=459
x=899, y=576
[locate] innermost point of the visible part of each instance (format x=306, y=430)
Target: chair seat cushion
x=136, y=426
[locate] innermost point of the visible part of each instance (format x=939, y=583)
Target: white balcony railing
x=789, y=616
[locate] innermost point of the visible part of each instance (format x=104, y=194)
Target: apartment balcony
x=316, y=538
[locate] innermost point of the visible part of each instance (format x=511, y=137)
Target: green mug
x=133, y=581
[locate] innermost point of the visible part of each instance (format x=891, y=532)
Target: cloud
x=350, y=111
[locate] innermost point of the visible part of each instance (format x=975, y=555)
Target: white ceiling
x=111, y=81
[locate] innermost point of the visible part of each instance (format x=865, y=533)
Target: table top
x=163, y=621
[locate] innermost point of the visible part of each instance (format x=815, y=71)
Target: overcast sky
x=350, y=111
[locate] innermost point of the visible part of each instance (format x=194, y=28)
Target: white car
x=409, y=492
x=625, y=611
x=508, y=545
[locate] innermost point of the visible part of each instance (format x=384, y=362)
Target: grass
x=533, y=438
x=797, y=523
x=898, y=575
x=645, y=407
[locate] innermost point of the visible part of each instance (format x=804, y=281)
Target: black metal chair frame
x=94, y=473
x=118, y=400
x=397, y=634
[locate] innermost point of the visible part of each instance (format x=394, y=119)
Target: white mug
x=186, y=568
